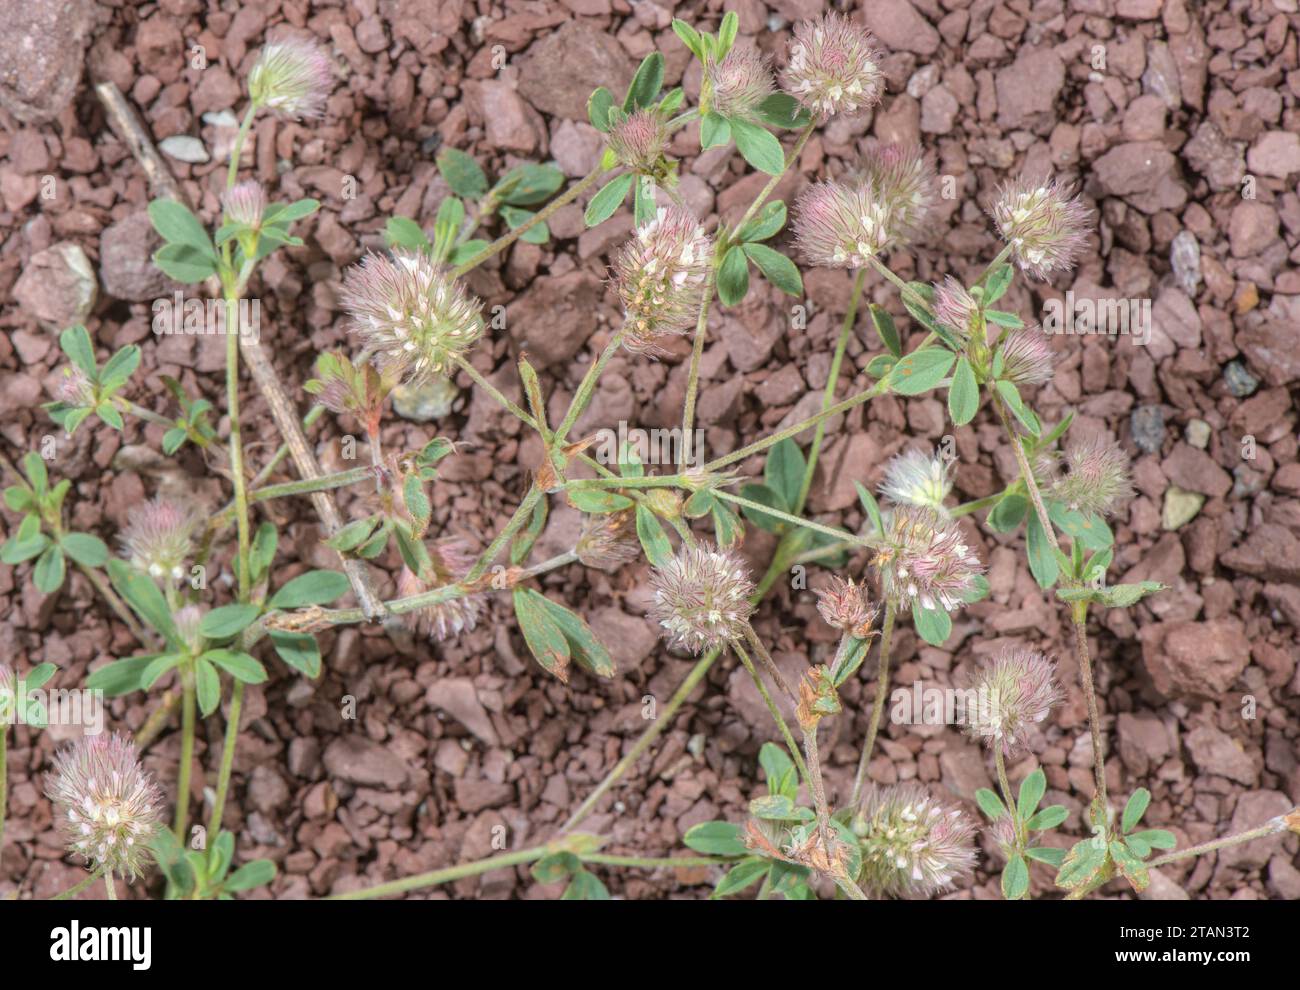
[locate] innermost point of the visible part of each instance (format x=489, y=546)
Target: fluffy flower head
x=1027, y=356
x=917, y=478
x=291, y=77
x=1044, y=225
x=444, y=620
x=410, y=313
x=739, y=83
x=841, y=224
x=904, y=182
x=845, y=606
x=925, y=561
x=701, y=597
x=159, y=538
x=1014, y=692
x=608, y=540
x=660, y=275
x=1096, y=479
x=834, y=67
x=106, y=805
x=245, y=203
x=912, y=844
x=638, y=140
x=955, y=307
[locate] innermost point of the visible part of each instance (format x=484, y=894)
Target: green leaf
x=689, y=37
x=177, y=225
x=555, y=867
x=646, y=84
x=997, y=283
x=403, y=233
x=1009, y=320
x=765, y=496
x=653, y=539
x=76, y=344
x=299, y=650
x=353, y=534
x=598, y=106
x=716, y=839
x=784, y=471
x=585, y=886
x=584, y=647
x=715, y=131
x=258, y=873
x=185, y=264
x=597, y=501
x=727, y=31
x=157, y=668
x=990, y=804
x=733, y=276
x=1046, y=854
x=920, y=371
x=782, y=774
x=110, y=415
x=529, y=184
x=1011, y=396
x=87, y=550
x=50, y=570
x=1083, y=864
x=1015, y=878
x=784, y=111
x=207, y=684
x=1049, y=817
x=609, y=199
x=462, y=173
x=778, y=808
x=238, y=665
x=1112, y=596
x=34, y=468
x=1155, y=838
x=933, y=625
x=1130, y=866
x=1134, y=809
x=1032, y=789
x=120, y=676
x=771, y=218
x=262, y=552
x=1042, y=562
x=746, y=874
x=312, y=588
x=963, y=394
x=758, y=146
x=120, y=367
x=776, y=267
x=20, y=548
x=643, y=201
x=885, y=328
x=38, y=676
x=546, y=641
x=869, y=504
x=1089, y=530
x=726, y=525
x=173, y=439
x=1008, y=513
x=228, y=620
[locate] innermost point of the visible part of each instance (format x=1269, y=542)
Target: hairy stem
x=227, y=758
x=445, y=875
x=78, y=888
x=697, y=355
x=187, y=754
x=1079, y=613
x=1274, y=826
x=586, y=388
x=793, y=520
x=828, y=396
x=878, y=707
x=4, y=779
x=493, y=391
x=777, y=717
x=1001, y=762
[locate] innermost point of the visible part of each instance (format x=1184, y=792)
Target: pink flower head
x=841, y=225
x=738, y=84
x=105, y=804
x=159, y=538
x=446, y=619
x=608, y=540
x=638, y=140
x=1027, y=356
x=701, y=598
x=660, y=275
x=913, y=845
x=954, y=307
x=74, y=387
x=904, y=183
x=845, y=606
x=292, y=77
x=1096, y=479
x=1013, y=693
x=410, y=314
x=1043, y=223
x=245, y=203
x=917, y=478
x=834, y=67
x=925, y=561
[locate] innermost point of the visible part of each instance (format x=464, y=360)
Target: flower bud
x=834, y=67
x=159, y=538
x=954, y=307
x=1027, y=356
x=701, y=598
x=841, y=225
x=638, y=141
x=904, y=184
x=245, y=203
x=411, y=314
x=917, y=478
x=738, y=85
x=292, y=77
x=608, y=540
x=1096, y=479
x=661, y=274
x=446, y=619
x=845, y=606
x=106, y=805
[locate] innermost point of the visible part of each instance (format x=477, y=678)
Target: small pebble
x=1148, y=426
x=1198, y=433
x=1240, y=382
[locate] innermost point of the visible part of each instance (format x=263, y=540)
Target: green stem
x=697, y=355
x=793, y=520
x=109, y=887
x=77, y=888
x=445, y=875
x=505, y=240
x=493, y=391
x=878, y=707
x=1079, y=613
x=777, y=717
x=4, y=778
x=237, y=150
x=828, y=396
x=585, y=389
x=187, y=753
x=516, y=522
x=1272, y=827
x=966, y=508
x=237, y=456
x=1001, y=763
x=652, y=862
x=305, y=486
x=227, y=758
x=1002, y=256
